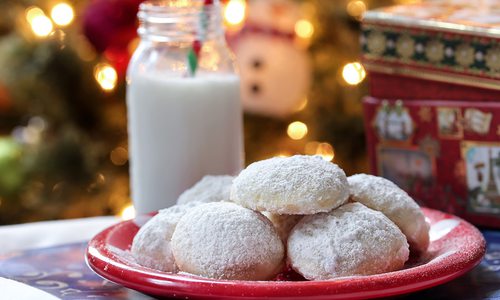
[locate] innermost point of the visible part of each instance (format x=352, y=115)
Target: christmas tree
x=63, y=135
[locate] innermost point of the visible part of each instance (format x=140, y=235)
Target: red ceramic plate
x=456, y=247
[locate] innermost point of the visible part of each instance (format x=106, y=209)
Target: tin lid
x=456, y=41
x=480, y=18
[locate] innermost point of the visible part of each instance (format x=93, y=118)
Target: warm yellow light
x=234, y=12
x=41, y=26
x=297, y=130
x=353, y=73
x=33, y=12
x=62, y=14
x=106, y=76
x=304, y=29
x=356, y=8
x=284, y=154
x=128, y=212
x=326, y=152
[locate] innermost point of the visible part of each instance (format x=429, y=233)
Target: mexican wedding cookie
x=209, y=189
x=223, y=240
x=383, y=195
x=294, y=185
x=151, y=245
x=351, y=240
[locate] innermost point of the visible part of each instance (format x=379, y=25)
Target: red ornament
x=111, y=23
x=110, y=26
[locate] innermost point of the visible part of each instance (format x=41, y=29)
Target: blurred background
x=63, y=125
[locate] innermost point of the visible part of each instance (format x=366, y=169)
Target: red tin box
x=433, y=118
x=446, y=154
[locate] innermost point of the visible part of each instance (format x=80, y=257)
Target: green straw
x=194, y=52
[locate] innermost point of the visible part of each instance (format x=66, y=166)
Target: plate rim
x=106, y=264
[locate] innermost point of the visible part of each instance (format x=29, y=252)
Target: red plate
x=456, y=247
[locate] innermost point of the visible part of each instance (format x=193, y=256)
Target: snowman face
x=274, y=74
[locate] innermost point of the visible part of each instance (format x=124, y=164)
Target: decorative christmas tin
x=433, y=118
x=456, y=42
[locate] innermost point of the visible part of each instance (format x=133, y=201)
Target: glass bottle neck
x=180, y=21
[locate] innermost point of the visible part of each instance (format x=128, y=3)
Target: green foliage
x=46, y=78
x=11, y=167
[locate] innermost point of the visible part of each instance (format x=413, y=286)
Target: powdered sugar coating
x=209, y=189
x=383, y=195
x=151, y=245
x=223, y=240
x=351, y=240
x=299, y=184
x=283, y=223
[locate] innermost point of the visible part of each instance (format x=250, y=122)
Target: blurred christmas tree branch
x=56, y=119
x=63, y=138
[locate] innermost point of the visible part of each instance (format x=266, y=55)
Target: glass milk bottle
x=183, y=102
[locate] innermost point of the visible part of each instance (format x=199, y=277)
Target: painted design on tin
x=477, y=121
x=449, y=123
x=482, y=167
x=406, y=166
x=393, y=122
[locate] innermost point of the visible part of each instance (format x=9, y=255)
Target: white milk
x=181, y=129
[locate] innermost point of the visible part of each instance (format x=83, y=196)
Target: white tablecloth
x=44, y=234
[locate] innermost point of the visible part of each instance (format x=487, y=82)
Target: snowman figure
x=274, y=70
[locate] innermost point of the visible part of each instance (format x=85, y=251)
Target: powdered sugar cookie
x=351, y=240
x=283, y=223
x=295, y=185
x=383, y=195
x=209, y=189
x=151, y=245
x=223, y=240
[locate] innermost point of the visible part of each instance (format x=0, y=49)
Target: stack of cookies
x=299, y=211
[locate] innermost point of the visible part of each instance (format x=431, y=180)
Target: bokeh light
x=304, y=29
x=234, y=12
x=119, y=156
x=106, y=76
x=297, y=130
x=62, y=14
x=356, y=9
x=353, y=73
x=128, y=212
x=41, y=25
x=325, y=150
x=33, y=12
x=284, y=154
